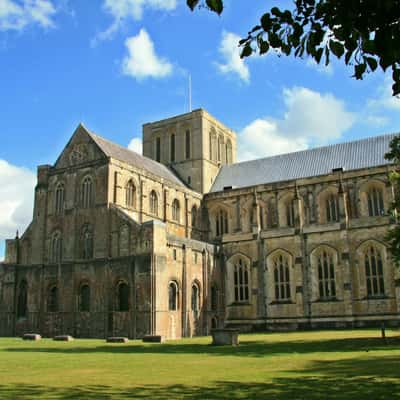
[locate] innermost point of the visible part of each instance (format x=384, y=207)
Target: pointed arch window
x=219, y=149
x=22, y=307
x=153, y=203
x=332, y=209
x=214, y=298
x=84, y=298
x=241, y=281
x=52, y=299
x=228, y=151
x=172, y=147
x=195, y=298
x=187, y=144
x=289, y=209
x=194, y=216
x=130, y=195
x=375, y=202
x=122, y=297
x=176, y=210
x=87, y=242
x=374, y=272
x=158, y=149
x=59, y=198
x=326, y=276
x=221, y=222
x=56, y=248
x=173, y=296
x=87, y=192
x=282, y=278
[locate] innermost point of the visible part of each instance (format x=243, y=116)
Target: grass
x=299, y=365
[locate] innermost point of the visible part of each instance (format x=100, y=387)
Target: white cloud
x=230, y=52
x=384, y=98
x=130, y=9
x=142, y=61
x=18, y=14
x=16, y=199
x=136, y=145
x=311, y=118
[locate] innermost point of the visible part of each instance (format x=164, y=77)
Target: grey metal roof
x=130, y=157
x=358, y=154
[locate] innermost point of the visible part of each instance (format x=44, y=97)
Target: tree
x=366, y=33
x=393, y=236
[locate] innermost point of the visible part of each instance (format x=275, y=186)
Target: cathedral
x=183, y=239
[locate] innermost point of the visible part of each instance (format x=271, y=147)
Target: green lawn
x=299, y=365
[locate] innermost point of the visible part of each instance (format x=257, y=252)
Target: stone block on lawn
x=31, y=336
x=63, y=338
x=225, y=337
x=117, y=339
x=153, y=339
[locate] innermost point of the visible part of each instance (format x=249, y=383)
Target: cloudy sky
x=116, y=64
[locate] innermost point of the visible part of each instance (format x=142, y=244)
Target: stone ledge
x=31, y=336
x=117, y=339
x=225, y=337
x=63, y=338
x=153, y=339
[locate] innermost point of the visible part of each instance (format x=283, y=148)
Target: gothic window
x=122, y=297
x=158, y=149
x=194, y=216
x=176, y=211
x=375, y=202
x=84, y=298
x=172, y=147
x=56, y=248
x=214, y=323
x=52, y=299
x=153, y=203
x=261, y=216
x=221, y=222
x=281, y=278
x=173, y=296
x=22, y=307
x=332, y=211
x=195, y=298
x=374, y=272
x=187, y=144
x=130, y=195
x=228, y=151
x=213, y=146
x=241, y=281
x=326, y=276
x=219, y=148
x=87, y=242
x=289, y=209
x=87, y=192
x=214, y=298
x=59, y=197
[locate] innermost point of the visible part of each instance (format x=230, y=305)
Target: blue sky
x=116, y=64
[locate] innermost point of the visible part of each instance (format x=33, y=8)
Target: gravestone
x=117, y=339
x=63, y=338
x=153, y=339
x=31, y=336
x=225, y=337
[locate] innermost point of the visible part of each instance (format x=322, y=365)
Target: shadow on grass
x=246, y=348
x=331, y=382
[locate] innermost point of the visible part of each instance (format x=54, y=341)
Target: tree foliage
x=393, y=236
x=365, y=33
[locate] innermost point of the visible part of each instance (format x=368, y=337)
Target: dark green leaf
x=396, y=89
x=266, y=22
x=359, y=70
x=192, y=3
x=247, y=50
x=216, y=5
x=336, y=48
x=264, y=47
x=318, y=54
x=348, y=56
x=372, y=63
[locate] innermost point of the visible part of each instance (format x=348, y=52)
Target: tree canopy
x=365, y=33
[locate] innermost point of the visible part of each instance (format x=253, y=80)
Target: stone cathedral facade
x=184, y=239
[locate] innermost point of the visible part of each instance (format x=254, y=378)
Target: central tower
x=194, y=145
